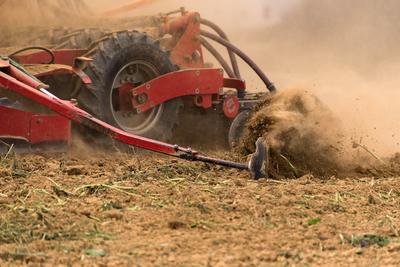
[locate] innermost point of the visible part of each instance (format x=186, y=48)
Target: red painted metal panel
x=176, y=84
x=23, y=125
x=234, y=83
x=47, y=128
x=14, y=123
x=62, y=56
x=188, y=51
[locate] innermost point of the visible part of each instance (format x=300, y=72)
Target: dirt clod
x=76, y=170
x=176, y=225
x=302, y=133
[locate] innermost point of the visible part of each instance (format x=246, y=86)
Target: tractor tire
x=138, y=58
x=78, y=38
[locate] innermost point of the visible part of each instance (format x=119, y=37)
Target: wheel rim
x=136, y=72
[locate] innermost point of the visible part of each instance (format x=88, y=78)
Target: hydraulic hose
x=53, y=57
x=222, y=34
x=270, y=86
x=218, y=57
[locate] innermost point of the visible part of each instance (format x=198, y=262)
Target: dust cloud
x=346, y=53
x=302, y=134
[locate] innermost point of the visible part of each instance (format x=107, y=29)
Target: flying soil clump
x=302, y=133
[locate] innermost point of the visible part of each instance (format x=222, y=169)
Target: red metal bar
x=234, y=83
x=200, y=82
x=25, y=78
x=62, y=56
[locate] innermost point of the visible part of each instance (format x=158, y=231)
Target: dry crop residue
x=118, y=210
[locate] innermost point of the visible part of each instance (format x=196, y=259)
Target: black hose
x=270, y=86
x=222, y=34
x=53, y=57
x=218, y=57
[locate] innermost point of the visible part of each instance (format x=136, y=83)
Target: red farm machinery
x=145, y=82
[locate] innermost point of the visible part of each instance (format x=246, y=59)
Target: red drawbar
x=33, y=128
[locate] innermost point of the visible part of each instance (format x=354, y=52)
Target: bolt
x=142, y=98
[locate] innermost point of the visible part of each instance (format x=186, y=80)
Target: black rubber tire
x=109, y=57
x=78, y=38
x=238, y=128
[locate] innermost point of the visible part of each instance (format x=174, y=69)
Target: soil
x=305, y=137
x=112, y=209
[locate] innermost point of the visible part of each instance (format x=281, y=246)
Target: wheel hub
x=136, y=72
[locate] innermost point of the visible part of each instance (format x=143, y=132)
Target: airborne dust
x=345, y=53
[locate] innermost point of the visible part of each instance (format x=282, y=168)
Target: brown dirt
x=304, y=136
x=146, y=210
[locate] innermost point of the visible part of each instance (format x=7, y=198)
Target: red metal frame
x=201, y=82
x=188, y=51
x=33, y=128
x=62, y=56
x=69, y=111
x=205, y=85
